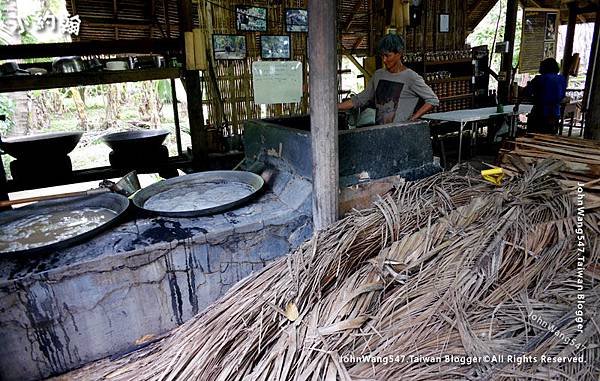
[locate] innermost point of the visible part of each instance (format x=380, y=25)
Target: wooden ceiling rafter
x=109, y=20
x=357, y=42
x=166, y=17
x=115, y=14
x=355, y=9
x=152, y=16
x=478, y=11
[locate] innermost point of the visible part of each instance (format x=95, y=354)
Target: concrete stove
x=63, y=309
x=367, y=153
x=60, y=310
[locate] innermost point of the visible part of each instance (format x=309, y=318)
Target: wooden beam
x=141, y=26
x=364, y=71
x=506, y=69
x=568, y=52
x=357, y=42
x=118, y=21
x=86, y=48
x=194, y=94
x=486, y=6
x=591, y=99
x=167, y=18
x=541, y=9
x=50, y=81
x=355, y=9
x=590, y=8
x=323, y=112
x=174, y=102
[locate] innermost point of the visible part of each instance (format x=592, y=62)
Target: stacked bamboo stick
x=447, y=266
x=581, y=158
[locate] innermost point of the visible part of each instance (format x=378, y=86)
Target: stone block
x=200, y=254
x=279, y=217
x=273, y=248
x=280, y=181
x=257, y=266
x=230, y=273
x=296, y=192
x=217, y=255
x=217, y=236
x=245, y=269
x=301, y=234
x=178, y=259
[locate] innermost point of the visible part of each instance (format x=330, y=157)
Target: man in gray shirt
x=396, y=90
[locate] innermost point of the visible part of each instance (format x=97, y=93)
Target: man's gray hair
x=391, y=43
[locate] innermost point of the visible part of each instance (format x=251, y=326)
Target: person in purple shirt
x=547, y=90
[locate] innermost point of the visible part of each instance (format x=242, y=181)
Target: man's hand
x=420, y=112
x=345, y=105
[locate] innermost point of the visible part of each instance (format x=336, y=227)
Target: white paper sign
x=277, y=81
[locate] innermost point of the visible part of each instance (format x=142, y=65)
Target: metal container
x=68, y=65
x=53, y=144
x=135, y=141
x=197, y=184
x=116, y=203
x=11, y=68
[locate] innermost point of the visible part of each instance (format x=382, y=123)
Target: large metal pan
x=41, y=145
x=199, y=194
x=77, y=210
x=135, y=141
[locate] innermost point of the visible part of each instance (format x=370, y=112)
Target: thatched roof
x=477, y=9
x=137, y=19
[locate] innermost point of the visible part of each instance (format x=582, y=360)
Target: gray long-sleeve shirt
x=395, y=95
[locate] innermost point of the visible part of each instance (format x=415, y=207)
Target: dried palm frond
x=443, y=266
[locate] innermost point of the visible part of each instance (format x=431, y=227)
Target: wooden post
x=194, y=94
x=3, y=187
x=323, y=111
x=566, y=62
x=589, y=76
x=506, y=64
x=592, y=120
x=176, y=117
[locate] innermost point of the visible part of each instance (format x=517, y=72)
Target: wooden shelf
x=454, y=97
x=455, y=79
x=49, y=81
x=93, y=174
x=83, y=48
x=216, y=161
x=460, y=61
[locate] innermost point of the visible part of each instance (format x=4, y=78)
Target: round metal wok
x=133, y=141
x=111, y=201
x=196, y=185
x=40, y=145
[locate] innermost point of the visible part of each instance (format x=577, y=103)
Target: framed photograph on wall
x=229, y=46
x=549, y=49
x=275, y=47
x=296, y=20
x=550, y=27
x=250, y=19
x=444, y=23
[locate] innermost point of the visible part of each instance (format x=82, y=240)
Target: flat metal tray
x=199, y=194
x=114, y=202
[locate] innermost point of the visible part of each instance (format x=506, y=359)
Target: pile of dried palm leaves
x=580, y=157
x=444, y=266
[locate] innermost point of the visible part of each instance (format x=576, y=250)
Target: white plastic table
x=474, y=115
